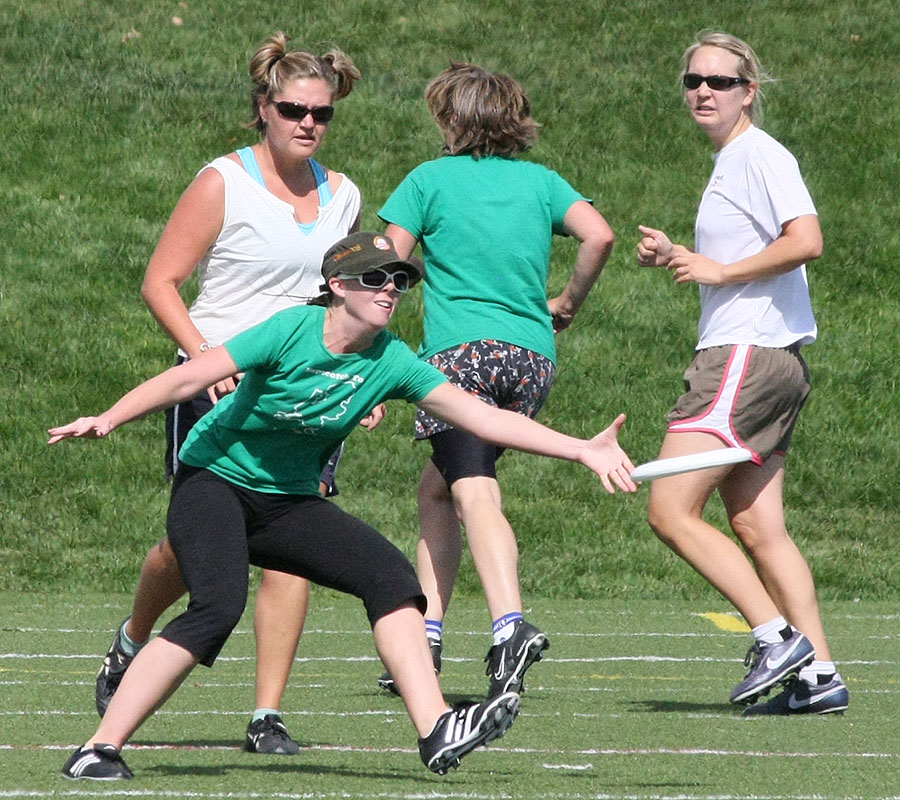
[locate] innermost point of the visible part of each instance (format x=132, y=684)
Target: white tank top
x=263, y=260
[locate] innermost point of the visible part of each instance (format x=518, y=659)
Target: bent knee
x=667, y=521
x=476, y=490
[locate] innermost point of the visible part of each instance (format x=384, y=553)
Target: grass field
x=629, y=703
x=111, y=108
x=107, y=112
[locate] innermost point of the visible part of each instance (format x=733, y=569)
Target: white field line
x=446, y=794
x=649, y=659
x=615, y=752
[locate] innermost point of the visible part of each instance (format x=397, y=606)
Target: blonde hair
x=272, y=66
x=749, y=66
x=481, y=113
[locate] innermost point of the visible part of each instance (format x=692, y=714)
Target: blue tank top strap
x=321, y=182
x=248, y=159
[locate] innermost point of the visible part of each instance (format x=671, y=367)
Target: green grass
x=630, y=702
x=102, y=130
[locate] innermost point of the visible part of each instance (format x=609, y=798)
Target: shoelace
x=753, y=655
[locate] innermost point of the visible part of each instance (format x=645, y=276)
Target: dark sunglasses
x=377, y=278
x=718, y=83
x=296, y=112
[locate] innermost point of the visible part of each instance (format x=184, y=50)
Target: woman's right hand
x=81, y=428
x=655, y=249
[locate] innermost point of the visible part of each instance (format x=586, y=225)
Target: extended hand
x=81, y=428
x=611, y=463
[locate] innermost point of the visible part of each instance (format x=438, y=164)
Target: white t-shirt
x=755, y=188
x=262, y=262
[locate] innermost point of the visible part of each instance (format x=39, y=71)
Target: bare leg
x=157, y=671
x=400, y=641
x=281, y=605
x=675, y=514
x=439, y=550
x=753, y=499
x=492, y=542
x=159, y=586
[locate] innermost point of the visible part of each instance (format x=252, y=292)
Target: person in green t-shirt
x=485, y=220
x=247, y=493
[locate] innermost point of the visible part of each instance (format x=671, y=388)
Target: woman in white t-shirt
x=755, y=231
x=254, y=224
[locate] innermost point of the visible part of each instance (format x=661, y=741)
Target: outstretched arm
x=602, y=454
x=167, y=389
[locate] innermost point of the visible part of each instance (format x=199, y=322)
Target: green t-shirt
x=298, y=401
x=485, y=226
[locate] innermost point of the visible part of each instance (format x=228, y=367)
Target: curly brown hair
x=481, y=113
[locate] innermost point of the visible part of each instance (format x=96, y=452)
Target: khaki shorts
x=746, y=395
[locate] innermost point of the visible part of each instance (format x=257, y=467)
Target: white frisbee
x=663, y=467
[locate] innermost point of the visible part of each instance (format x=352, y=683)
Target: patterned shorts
x=499, y=373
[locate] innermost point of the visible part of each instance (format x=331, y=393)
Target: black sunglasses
x=718, y=83
x=296, y=112
x=376, y=278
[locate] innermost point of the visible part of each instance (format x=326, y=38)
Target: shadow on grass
x=290, y=767
x=681, y=707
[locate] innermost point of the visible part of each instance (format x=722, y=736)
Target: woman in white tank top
x=254, y=224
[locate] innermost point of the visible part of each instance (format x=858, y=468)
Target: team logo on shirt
x=322, y=408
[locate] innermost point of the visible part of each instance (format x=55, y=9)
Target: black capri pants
x=217, y=529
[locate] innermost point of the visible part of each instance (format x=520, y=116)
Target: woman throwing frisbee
x=755, y=231
x=248, y=492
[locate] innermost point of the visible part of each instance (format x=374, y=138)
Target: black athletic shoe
x=771, y=664
x=508, y=661
x=800, y=697
x=102, y=762
x=110, y=675
x=269, y=735
x=436, y=646
x=458, y=732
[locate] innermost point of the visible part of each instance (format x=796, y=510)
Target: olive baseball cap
x=365, y=251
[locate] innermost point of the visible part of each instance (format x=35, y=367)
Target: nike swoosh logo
x=777, y=662
x=794, y=704
x=500, y=669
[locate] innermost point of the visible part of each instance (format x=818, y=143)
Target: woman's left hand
x=611, y=463
x=689, y=267
x=373, y=419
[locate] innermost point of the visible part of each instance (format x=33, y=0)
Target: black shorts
x=498, y=373
x=217, y=529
